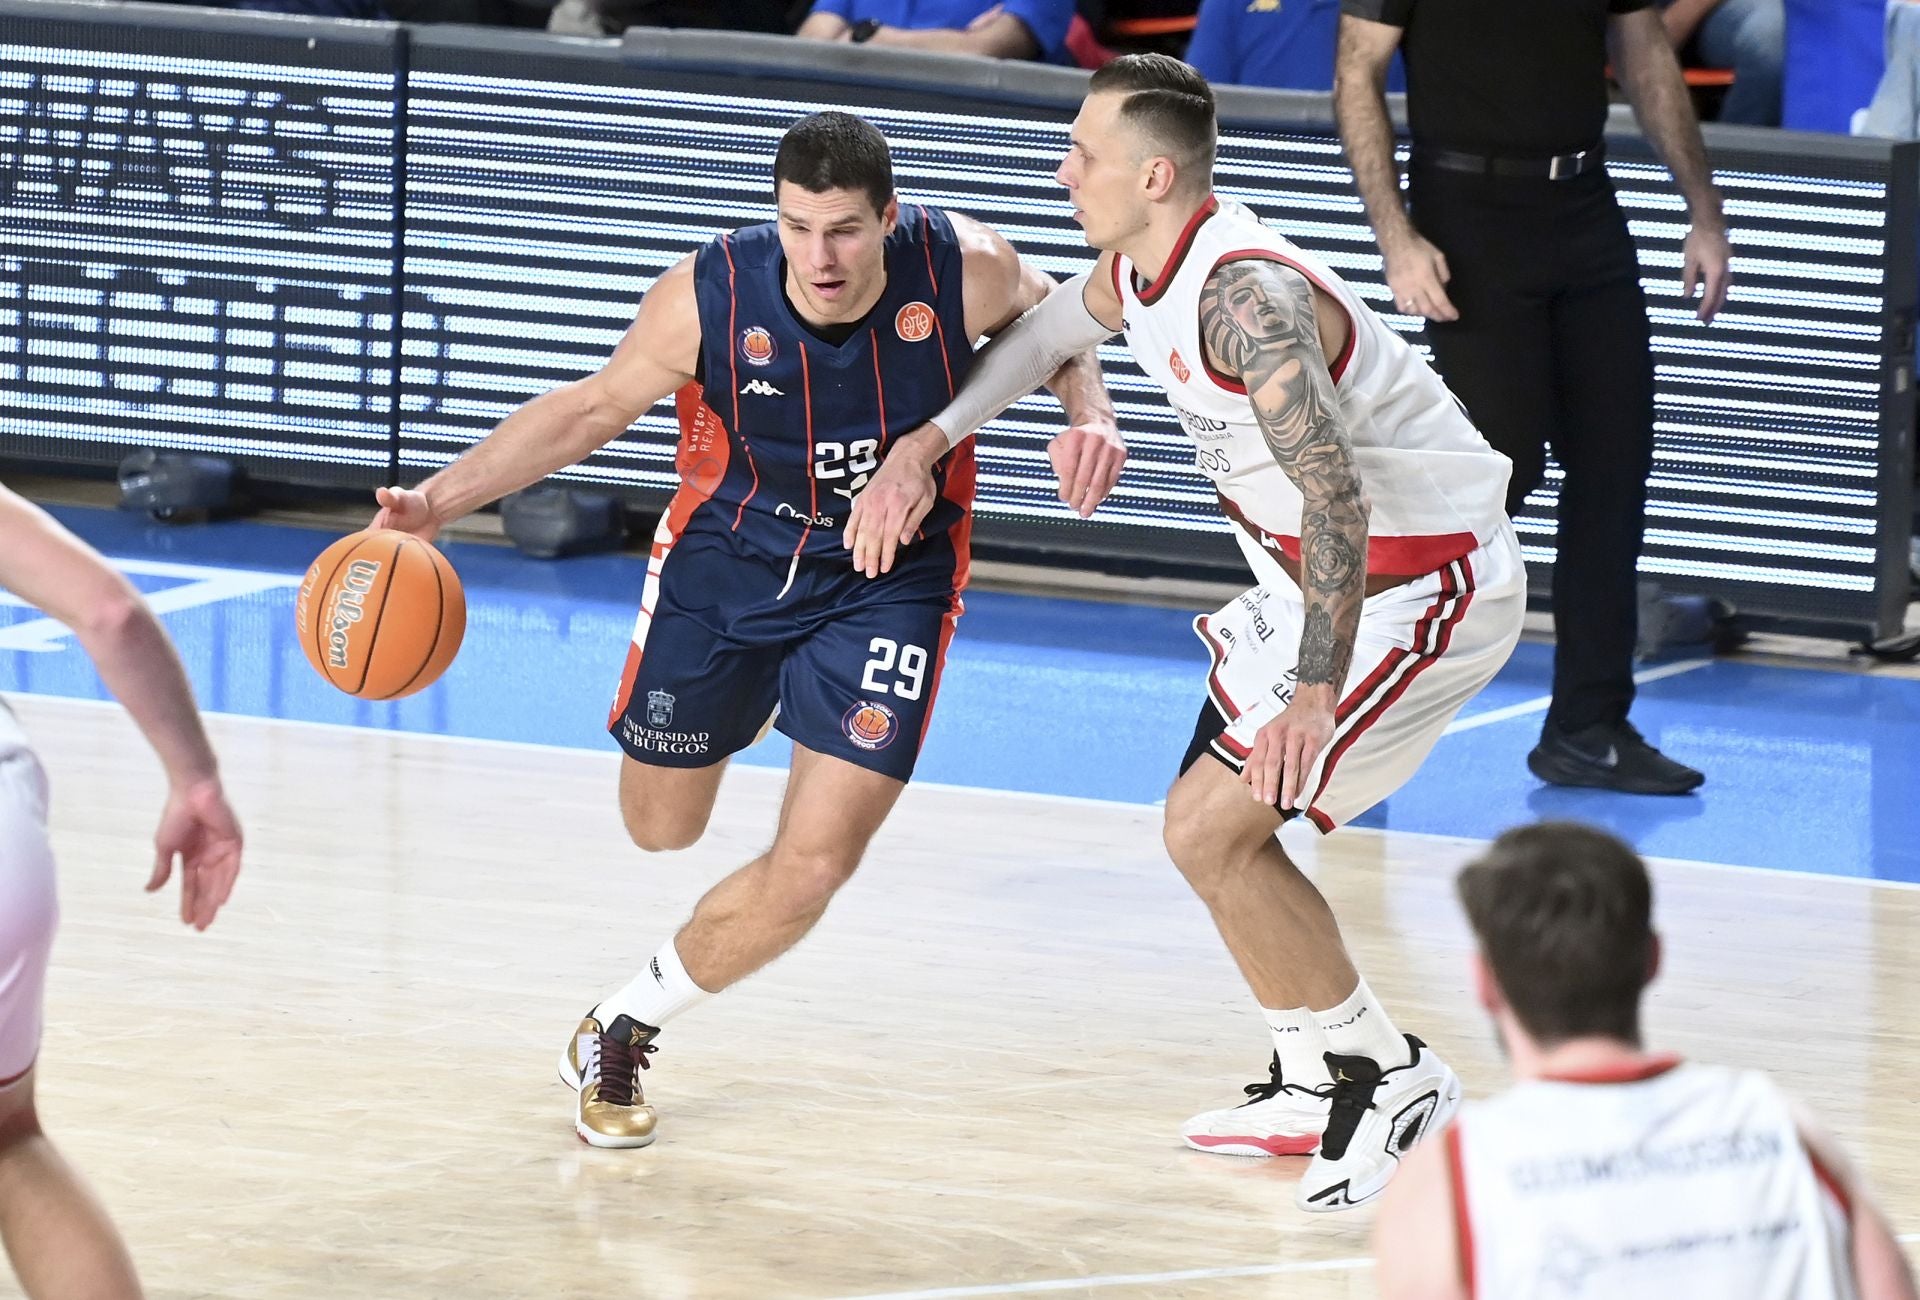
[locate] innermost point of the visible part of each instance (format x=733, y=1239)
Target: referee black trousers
x=1551, y=352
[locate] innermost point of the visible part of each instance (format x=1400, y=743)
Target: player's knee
x=809, y=878
x=19, y=1121
x=657, y=833
x=1183, y=829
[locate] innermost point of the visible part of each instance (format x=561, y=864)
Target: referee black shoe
x=1609, y=756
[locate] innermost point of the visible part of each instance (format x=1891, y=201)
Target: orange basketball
x=381, y=614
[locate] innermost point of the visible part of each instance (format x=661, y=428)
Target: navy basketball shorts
x=726, y=633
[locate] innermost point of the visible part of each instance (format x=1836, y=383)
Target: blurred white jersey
x=1680, y=1180
x=1437, y=489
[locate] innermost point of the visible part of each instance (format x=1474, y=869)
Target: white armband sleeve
x=1021, y=357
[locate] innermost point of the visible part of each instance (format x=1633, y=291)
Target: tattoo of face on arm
x=1257, y=320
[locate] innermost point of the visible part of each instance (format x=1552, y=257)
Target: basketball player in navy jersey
x=802, y=352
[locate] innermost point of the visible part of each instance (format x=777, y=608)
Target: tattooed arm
x=1258, y=322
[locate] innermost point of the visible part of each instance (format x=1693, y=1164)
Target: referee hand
x=1418, y=275
x=1707, y=260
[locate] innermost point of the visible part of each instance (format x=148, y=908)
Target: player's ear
x=1160, y=179
x=890, y=215
x=1654, y=953
x=1486, y=989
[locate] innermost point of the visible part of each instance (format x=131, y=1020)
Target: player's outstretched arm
x=559, y=428
x=1001, y=289
x=1416, y=1244
x=1257, y=321
x=1033, y=348
x=52, y=569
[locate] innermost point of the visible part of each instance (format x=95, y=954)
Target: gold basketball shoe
x=603, y=1065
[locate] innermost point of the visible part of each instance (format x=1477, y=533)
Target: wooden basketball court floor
x=966, y=1083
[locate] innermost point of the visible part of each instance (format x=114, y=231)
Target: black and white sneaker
x=1609, y=756
x=1377, y=1117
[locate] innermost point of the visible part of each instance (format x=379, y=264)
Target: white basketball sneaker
x=1377, y=1117
x=1277, y=1119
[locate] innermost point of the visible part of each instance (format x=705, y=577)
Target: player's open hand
x=894, y=501
x=1087, y=459
x=199, y=829
x=1706, y=267
x=1417, y=273
x=407, y=510
x=1284, y=751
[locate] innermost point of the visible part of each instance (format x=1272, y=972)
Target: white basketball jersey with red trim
x=1437, y=489
x=1690, y=1181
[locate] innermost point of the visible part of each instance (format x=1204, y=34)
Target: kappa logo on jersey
x=756, y=346
x=1179, y=367
x=870, y=725
x=760, y=388
x=914, y=323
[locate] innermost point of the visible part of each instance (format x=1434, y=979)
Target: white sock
x=657, y=994
x=1360, y=1027
x=1299, y=1044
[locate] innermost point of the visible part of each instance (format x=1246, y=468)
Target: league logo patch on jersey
x=870, y=725
x=914, y=323
x=756, y=346
x=1178, y=366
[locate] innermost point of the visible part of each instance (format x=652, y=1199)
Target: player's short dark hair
x=1170, y=105
x=835, y=151
x=1564, y=915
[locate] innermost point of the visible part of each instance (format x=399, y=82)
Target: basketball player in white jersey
x=58, y=1237
x=1608, y=1170
x=1390, y=589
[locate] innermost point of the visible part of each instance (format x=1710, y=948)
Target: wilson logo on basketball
x=915, y=322
x=1178, y=366
x=756, y=346
x=349, y=607
x=870, y=725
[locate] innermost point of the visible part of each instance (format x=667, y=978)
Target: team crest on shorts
x=659, y=709
x=914, y=323
x=1178, y=366
x=870, y=725
x=756, y=346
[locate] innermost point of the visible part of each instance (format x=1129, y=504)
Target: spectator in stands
x=611, y=17
x=1283, y=44
x=1012, y=29
x=1749, y=36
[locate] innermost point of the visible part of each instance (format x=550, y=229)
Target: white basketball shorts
x=1424, y=649
x=27, y=908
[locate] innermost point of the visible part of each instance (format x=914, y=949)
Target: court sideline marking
x=1026, y=796
x=204, y=585
x=1540, y=703
x=1148, y=1279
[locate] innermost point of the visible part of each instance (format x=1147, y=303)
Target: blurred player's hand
x=199, y=829
x=894, y=501
x=406, y=510
x=1417, y=273
x=1285, y=748
x=1087, y=459
x=1707, y=266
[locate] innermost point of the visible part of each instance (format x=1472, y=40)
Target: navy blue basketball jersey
x=786, y=428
